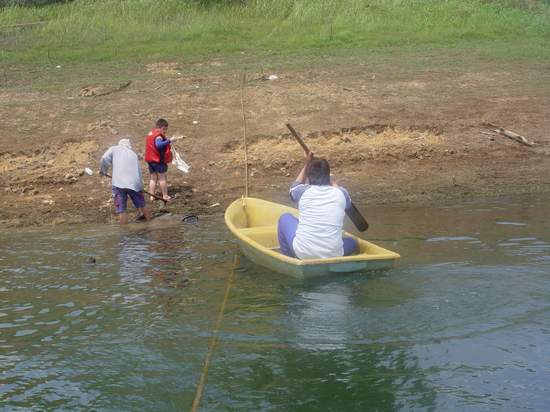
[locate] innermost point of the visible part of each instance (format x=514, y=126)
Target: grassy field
x=83, y=32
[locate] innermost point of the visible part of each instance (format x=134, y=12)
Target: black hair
x=318, y=172
x=161, y=123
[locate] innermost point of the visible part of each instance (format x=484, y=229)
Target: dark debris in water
x=190, y=218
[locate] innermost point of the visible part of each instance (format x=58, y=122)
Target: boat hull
x=254, y=224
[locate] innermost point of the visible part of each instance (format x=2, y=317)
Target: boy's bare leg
x=153, y=185
x=163, y=186
x=123, y=218
x=146, y=212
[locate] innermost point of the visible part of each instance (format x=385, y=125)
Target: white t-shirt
x=322, y=211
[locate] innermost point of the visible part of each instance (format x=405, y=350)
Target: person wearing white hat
x=126, y=179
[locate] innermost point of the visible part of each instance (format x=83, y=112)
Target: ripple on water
x=459, y=330
x=511, y=223
x=451, y=239
x=25, y=332
x=531, y=247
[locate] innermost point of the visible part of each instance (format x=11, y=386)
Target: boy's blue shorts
x=155, y=167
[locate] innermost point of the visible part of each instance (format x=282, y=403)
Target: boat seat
x=258, y=230
x=264, y=235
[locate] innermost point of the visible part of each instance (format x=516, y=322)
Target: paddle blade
x=357, y=219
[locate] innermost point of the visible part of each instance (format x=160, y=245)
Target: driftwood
x=120, y=88
x=14, y=26
x=507, y=133
x=492, y=134
x=96, y=92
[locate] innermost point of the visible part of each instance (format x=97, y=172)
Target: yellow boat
x=254, y=224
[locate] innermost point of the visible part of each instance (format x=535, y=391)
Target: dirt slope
x=392, y=133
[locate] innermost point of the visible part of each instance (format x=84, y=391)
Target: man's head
x=162, y=125
x=125, y=142
x=318, y=172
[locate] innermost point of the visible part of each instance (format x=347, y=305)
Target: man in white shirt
x=126, y=180
x=317, y=233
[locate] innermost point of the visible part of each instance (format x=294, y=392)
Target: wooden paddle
x=353, y=213
x=90, y=172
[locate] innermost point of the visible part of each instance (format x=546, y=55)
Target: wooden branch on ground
x=488, y=133
x=13, y=26
x=509, y=134
x=120, y=88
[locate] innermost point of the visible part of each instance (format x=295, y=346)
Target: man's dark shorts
x=155, y=167
x=121, y=199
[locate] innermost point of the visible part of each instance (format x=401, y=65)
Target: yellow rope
x=214, y=338
x=244, y=137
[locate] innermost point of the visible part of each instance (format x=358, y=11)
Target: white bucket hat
x=125, y=142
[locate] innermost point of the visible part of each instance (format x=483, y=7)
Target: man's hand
x=308, y=157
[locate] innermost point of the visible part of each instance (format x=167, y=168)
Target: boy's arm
x=161, y=144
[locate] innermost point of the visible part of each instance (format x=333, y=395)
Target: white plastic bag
x=178, y=161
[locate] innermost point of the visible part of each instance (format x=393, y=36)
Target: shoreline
x=392, y=134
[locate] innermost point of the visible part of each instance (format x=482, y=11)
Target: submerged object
x=190, y=218
x=254, y=224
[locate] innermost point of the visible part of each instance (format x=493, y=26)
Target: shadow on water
x=461, y=322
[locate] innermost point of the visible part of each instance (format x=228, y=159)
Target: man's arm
x=344, y=191
x=298, y=187
x=346, y=195
x=302, y=176
x=106, y=161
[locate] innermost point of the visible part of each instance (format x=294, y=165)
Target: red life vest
x=151, y=152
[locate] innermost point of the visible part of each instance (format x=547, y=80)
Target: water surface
x=461, y=323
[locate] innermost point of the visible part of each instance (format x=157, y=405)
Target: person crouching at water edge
x=126, y=179
x=317, y=233
x=158, y=154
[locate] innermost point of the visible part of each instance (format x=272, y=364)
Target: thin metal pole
x=214, y=339
x=244, y=137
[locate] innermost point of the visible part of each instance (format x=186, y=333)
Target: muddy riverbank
x=393, y=133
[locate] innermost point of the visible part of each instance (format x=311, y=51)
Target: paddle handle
x=297, y=137
x=155, y=196
x=352, y=212
x=144, y=191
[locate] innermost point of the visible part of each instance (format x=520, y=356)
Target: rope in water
x=244, y=137
x=214, y=338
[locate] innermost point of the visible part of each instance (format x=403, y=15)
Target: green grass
x=140, y=30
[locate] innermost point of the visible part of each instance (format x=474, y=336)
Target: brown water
x=461, y=323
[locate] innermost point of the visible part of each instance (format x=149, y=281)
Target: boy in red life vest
x=157, y=155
